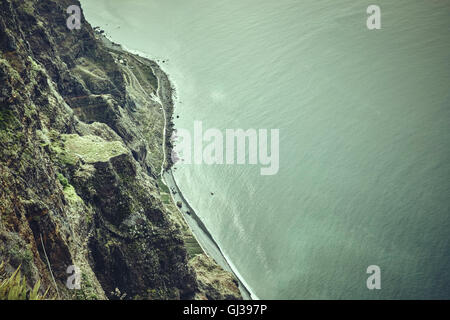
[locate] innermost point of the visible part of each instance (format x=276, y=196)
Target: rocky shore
x=82, y=140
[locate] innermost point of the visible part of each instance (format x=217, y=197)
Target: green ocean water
x=364, y=119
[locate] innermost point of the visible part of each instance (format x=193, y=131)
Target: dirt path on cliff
x=134, y=81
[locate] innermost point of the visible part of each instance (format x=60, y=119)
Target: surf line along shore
x=205, y=239
x=164, y=97
x=201, y=233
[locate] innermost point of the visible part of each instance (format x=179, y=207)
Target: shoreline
x=165, y=95
x=205, y=239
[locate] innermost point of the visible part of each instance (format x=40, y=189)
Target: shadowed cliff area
x=81, y=138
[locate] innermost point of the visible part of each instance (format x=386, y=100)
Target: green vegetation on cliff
x=81, y=150
x=92, y=149
x=15, y=287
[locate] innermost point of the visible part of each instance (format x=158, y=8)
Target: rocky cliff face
x=82, y=146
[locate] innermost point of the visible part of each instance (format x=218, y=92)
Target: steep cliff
x=82, y=137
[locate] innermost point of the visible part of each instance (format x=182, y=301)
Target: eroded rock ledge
x=81, y=137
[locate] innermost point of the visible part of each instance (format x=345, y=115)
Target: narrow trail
x=134, y=81
x=153, y=97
